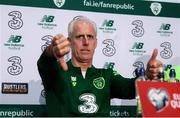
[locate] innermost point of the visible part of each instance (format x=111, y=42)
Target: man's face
x=83, y=42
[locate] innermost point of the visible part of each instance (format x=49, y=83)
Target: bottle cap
x=142, y=71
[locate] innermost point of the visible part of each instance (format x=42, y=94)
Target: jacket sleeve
x=122, y=88
x=47, y=67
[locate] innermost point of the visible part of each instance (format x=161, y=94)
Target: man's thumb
x=63, y=64
x=154, y=54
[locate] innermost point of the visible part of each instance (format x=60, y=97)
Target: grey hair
x=80, y=18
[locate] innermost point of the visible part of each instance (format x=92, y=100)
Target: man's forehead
x=80, y=23
x=88, y=28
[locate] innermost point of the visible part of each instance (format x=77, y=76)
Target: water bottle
x=161, y=74
x=172, y=75
x=140, y=73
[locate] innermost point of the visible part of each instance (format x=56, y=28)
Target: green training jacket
x=68, y=93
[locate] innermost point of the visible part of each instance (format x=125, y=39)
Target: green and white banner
x=128, y=31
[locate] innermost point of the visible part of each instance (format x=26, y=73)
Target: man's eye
x=90, y=36
x=80, y=37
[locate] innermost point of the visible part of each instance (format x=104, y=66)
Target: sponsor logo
x=110, y=49
x=166, y=53
x=14, y=88
x=138, y=30
x=107, y=26
x=73, y=81
x=165, y=30
x=14, y=42
x=47, y=22
x=16, y=67
x=88, y=99
x=16, y=22
x=137, y=48
x=99, y=83
x=159, y=98
x=156, y=8
x=59, y=3
x=109, y=65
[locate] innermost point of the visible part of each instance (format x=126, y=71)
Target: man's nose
x=85, y=40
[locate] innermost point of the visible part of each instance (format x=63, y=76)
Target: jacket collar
x=90, y=70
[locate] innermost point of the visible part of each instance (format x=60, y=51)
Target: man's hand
x=59, y=47
x=153, y=66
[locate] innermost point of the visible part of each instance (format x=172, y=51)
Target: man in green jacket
x=77, y=88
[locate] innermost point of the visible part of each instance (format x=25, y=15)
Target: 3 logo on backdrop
x=16, y=68
x=16, y=22
x=167, y=52
x=110, y=49
x=138, y=30
x=48, y=40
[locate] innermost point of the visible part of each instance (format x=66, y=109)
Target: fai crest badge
x=156, y=8
x=99, y=83
x=59, y=3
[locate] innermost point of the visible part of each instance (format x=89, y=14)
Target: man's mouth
x=84, y=50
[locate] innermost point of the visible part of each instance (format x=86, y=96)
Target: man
x=77, y=88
